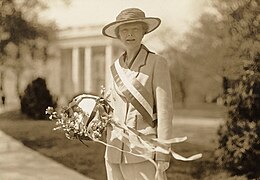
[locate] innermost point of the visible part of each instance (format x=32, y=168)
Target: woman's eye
x=123, y=31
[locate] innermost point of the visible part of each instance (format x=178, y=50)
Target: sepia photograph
x=129, y=90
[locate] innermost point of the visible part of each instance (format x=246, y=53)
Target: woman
x=141, y=97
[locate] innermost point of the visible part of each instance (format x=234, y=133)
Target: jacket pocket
x=143, y=127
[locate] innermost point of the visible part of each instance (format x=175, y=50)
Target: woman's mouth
x=130, y=40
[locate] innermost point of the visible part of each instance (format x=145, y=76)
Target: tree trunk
x=18, y=78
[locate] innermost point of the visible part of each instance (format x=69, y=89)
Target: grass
x=39, y=136
x=89, y=161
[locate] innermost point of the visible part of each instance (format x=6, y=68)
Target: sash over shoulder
x=134, y=92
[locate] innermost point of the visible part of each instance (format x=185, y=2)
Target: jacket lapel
x=140, y=60
x=135, y=93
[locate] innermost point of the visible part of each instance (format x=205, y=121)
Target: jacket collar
x=139, y=61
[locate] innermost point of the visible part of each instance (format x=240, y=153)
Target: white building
x=85, y=56
x=80, y=65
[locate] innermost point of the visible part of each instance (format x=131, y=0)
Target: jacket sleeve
x=163, y=101
x=110, y=90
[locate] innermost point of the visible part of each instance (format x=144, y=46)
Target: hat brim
x=110, y=29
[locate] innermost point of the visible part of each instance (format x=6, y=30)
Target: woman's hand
x=163, y=165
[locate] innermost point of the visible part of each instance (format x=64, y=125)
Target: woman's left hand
x=163, y=165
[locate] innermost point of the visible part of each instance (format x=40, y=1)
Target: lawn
x=89, y=161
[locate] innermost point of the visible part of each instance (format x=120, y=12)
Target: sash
x=134, y=92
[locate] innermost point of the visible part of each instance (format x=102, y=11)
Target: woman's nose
x=129, y=33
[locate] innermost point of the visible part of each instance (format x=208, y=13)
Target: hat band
x=130, y=15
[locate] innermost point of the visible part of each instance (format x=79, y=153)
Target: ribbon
x=149, y=144
x=134, y=91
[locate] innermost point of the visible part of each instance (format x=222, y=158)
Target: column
x=66, y=82
x=87, y=70
x=108, y=62
x=75, y=69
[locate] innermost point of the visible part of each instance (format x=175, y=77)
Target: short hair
x=144, y=25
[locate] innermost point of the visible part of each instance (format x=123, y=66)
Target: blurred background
x=53, y=50
x=61, y=41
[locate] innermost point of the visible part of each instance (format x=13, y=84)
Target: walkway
x=18, y=162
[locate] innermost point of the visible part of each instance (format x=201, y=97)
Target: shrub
x=36, y=99
x=239, y=137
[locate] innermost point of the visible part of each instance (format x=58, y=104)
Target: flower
x=86, y=117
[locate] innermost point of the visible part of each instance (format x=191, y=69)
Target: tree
x=22, y=33
x=226, y=44
x=174, y=55
x=36, y=99
x=239, y=143
x=198, y=59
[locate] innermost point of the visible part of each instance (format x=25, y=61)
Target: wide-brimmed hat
x=130, y=15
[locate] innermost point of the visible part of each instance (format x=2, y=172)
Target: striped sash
x=134, y=92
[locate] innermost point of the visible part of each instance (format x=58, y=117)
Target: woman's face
x=131, y=34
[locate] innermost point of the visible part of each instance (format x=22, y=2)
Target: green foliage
x=36, y=99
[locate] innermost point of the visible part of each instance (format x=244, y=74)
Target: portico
x=85, y=58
